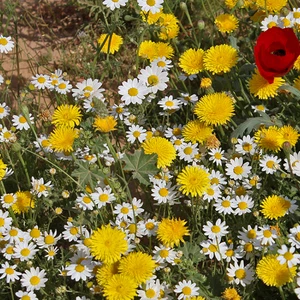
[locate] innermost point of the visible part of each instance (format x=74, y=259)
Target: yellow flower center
x=212, y=248
x=150, y=293
x=260, y=107
x=25, y=252
x=251, y=234
x=26, y=297
x=240, y=273
x=248, y=247
x=186, y=290
x=7, y=135
x=51, y=253
x=9, y=250
x=226, y=203
x=176, y=131
x=136, y=134
x=132, y=228
x=62, y=86
x=2, y=109
x=163, y=192
x=242, y=205
x=86, y=200
x=153, y=80
x=35, y=233
x=49, y=239
x=2, y=222
x=9, y=271
x=164, y=253
x=188, y=150
x=218, y=155
x=13, y=232
x=297, y=236
x=41, y=80
x=3, y=41
x=124, y=210
x=119, y=109
x=216, y=229
x=161, y=64
x=133, y=92
x=73, y=230
x=79, y=268
x=103, y=197
x=247, y=147
x=214, y=180
x=8, y=199
x=286, y=22
x=267, y=233
x=169, y=103
x=210, y=192
x=288, y=255
x=150, y=226
x=272, y=24
x=152, y=2
x=35, y=280
x=270, y=164
x=296, y=15
x=229, y=253
x=22, y=120
x=238, y=170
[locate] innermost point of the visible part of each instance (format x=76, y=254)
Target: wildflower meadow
x=158, y=158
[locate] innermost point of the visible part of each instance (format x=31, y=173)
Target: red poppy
x=275, y=52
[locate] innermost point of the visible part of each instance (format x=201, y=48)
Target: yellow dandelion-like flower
x=297, y=83
x=66, y=115
x=267, y=138
x=288, y=134
x=205, y=83
x=152, y=50
x=23, y=203
x=62, y=139
x=271, y=5
x=215, y=109
x=212, y=142
x=106, y=124
x=169, y=27
x=220, y=59
x=164, y=149
x=231, y=3
x=273, y=207
x=193, y=181
x=231, y=294
x=108, y=244
x=2, y=169
x=110, y=43
x=226, y=23
x=106, y=271
x=171, y=231
x=196, y=132
x=262, y=89
x=120, y=287
x=272, y=273
x=196, y=298
x=191, y=61
x=137, y=265
x=297, y=64
x=150, y=17
x=164, y=50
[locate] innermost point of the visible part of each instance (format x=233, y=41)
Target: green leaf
x=291, y=89
x=142, y=165
x=87, y=176
x=250, y=124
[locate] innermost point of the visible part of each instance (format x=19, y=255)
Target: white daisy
x=253, y=182
x=287, y=255
x=137, y=206
x=63, y=87
x=245, y=145
x=119, y=111
x=187, y=151
x=186, y=289
x=259, y=108
x=112, y=4
x=13, y=234
x=40, y=188
x=169, y=104
x=4, y=110
x=173, y=132
x=55, y=78
x=296, y=15
x=288, y=21
x=240, y=273
x=9, y=272
x=212, y=193
x=88, y=89
x=149, y=227
x=71, y=232
x=151, y=291
x=41, y=81
x=133, y=91
x=237, y=169
x=43, y=144
x=8, y=251
x=33, y=279
x=124, y=211
x=187, y=98
x=216, y=156
x=225, y=205
x=215, y=231
x=163, y=254
x=26, y=295
x=164, y=192
x=294, y=160
x=48, y=239
x=102, y=196
x=248, y=234
x=244, y=205
x=7, y=200
x=79, y=271
x=213, y=249
x=294, y=236
x=270, y=21
x=153, y=6
x=154, y=78
x=85, y=202
x=269, y=163
x=20, y=122
x=34, y=233
x=163, y=63
x=25, y=250
x=217, y=179
x=266, y=235
x=6, y=44
x=136, y=133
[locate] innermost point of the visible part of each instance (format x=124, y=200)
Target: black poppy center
x=279, y=52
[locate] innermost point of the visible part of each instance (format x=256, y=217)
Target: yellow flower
x=152, y=50
x=297, y=64
x=231, y=294
x=137, y=265
x=215, y=109
x=119, y=287
x=2, y=169
x=193, y=181
x=271, y=5
x=273, y=207
x=226, y=23
x=287, y=134
x=164, y=50
x=191, y=61
x=106, y=124
x=205, y=83
x=297, y=83
x=171, y=231
x=231, y=3
x=110, y=43
x=66, y=115
x=196, y=132
x=164, y=149
x=62, y=139
x=220, y=59
x=268, y=138
x=169, y=27
x=261, y=88
x=272, y=273
x=106, y=271
x=150, y=17
x=23, y=203
x=108, y=244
